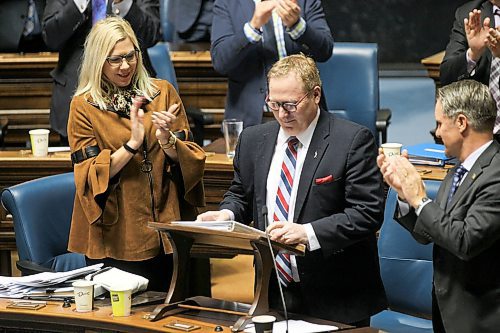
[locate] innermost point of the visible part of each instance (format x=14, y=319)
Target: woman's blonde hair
x=98, y=46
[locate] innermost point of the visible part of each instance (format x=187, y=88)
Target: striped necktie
x=494, y=83
x=98, y=10
x=282, y=205
x=457, y=177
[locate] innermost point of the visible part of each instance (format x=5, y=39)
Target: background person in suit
x=192, y=19
x=464, y=220
x=334, y=205
x=245, y=39
x=20, y=26
x=66, y=24
x=473, y=44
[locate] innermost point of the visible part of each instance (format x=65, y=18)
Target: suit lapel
x=315, y=153
x=477, y=169
x=266, y=145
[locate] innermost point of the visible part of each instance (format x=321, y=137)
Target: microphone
x=273, y=256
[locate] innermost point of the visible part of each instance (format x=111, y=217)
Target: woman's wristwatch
x=172, y=139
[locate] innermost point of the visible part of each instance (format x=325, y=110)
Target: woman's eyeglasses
x=117, y=60
x=287, y=106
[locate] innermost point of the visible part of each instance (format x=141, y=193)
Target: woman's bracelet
x=171, y=142
x=130, y=149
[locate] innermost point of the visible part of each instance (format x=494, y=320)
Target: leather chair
x=41, y=210
x=406, y=269
x=167, y=27
x=351, y=86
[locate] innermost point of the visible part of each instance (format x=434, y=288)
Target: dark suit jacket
x=12, y=20
x=246, y=64
x=454, y=65
x=466, y=236
x=65, y=30
x=341, y=281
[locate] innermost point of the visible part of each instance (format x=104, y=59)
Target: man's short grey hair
x=472, y=99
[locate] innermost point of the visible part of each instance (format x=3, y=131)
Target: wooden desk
x=54, y=317
x=432, y=64
x=19, y=166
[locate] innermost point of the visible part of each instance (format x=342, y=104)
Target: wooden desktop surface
x=19, y=166
x=54, y=317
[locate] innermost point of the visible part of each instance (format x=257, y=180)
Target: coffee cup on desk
x=391, y=149
x=39, y=142
x=264, y=323
x=84, y=295
x=121, y=298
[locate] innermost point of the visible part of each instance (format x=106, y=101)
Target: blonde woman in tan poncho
x=133, y=158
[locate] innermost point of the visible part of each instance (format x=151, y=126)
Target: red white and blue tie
x=282, y=204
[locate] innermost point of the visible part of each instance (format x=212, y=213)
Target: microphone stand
x=285, y=312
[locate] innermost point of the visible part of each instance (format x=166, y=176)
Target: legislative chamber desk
x=54, y=318
x=20, y=166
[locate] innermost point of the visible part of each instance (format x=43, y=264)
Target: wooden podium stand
x=183, y=238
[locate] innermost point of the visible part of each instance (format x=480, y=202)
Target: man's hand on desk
x=288, y=233
x=214, y=215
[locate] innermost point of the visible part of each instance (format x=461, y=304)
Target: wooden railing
x=26, y=89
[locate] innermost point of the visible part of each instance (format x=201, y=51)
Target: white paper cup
x=392, y=149
x=232, y=129
x=39, y=142
x=84, y=295
x=264, y=323
x=121, y=299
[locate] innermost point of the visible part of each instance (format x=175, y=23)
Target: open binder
x=183, y=235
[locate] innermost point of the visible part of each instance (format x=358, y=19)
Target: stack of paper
x=18, y=287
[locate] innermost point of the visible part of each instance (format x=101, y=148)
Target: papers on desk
x=232, y=226
x=296, y=326
x=58, y=149
x=18, y=287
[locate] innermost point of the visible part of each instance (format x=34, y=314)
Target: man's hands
x=288, y=233
x=403, y=177
x=288, y=10
x=214, y=215
x=476, y=33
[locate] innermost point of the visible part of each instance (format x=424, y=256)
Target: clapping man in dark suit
x=473, y=51
x=318, y=177
x=464, y=220
x=66, y=25
x=248, y=36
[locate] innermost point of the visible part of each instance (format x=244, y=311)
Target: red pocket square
x=324, y=180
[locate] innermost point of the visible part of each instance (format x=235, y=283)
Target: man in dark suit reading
x=318, y=178
x=464, y=220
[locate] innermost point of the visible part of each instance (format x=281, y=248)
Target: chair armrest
x=29, y=267
x=383, y=118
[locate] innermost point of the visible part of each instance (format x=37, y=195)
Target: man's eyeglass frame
x=287, y=106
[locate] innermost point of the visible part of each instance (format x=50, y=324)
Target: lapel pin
x=315, y=154
x=474, y=176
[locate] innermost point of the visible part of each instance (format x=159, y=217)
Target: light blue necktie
x=98, y=10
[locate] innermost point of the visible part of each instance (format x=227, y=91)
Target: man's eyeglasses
x=117, y=60
x=287, y=106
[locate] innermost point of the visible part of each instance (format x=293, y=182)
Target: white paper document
x=18, y=287
x=296, y=326
x=232, y=226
